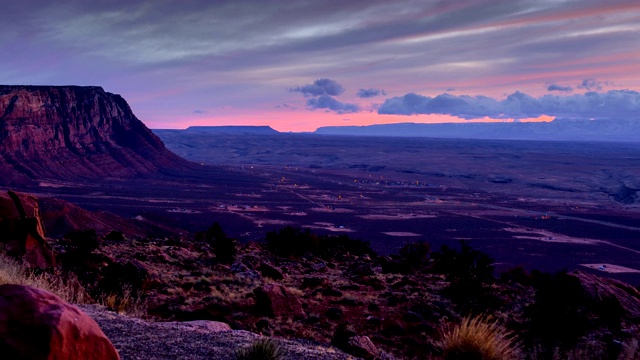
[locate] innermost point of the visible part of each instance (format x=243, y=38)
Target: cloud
x=556, y=87
x=331, y=103
x=320, y=87
x=199, y=111
x=592, y=84
x=287, y=106
x=369, y=93
x=614, y=104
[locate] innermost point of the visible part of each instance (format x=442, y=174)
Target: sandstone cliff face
x=22, y=232
x=71, y=132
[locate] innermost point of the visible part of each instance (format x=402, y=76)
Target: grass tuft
x=68, y=289
x=264, y=349
x=125, y=303
x=478, y=338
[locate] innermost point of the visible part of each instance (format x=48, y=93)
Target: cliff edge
x=75, y=132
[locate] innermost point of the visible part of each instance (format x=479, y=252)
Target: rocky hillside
x=74, y=132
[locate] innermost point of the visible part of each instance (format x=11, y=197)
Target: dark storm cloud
x=614, y=104
x=331, y=103
x=556, y=87
x=369, y=93
x=320, y=87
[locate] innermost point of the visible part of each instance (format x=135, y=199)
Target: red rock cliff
x=70, y=132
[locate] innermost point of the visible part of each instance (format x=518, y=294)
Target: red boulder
x=35, y=324
x=276, y=300
x=21, y=230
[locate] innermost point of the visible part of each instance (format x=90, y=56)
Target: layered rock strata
x=74, y=132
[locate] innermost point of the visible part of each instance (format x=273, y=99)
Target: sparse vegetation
x=14, y=272
x=125, y=303
x=263, y=349
x=478, y=338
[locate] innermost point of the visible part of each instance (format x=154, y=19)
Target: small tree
x=415, y=254
x=224, y=247
x=468, y=271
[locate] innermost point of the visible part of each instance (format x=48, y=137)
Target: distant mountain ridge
x=232, y=129
x=74, y=132
x=559, y=129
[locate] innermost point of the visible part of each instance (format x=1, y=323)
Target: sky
x=298, y=65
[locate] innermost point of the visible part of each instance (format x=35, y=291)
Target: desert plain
x=538, y=204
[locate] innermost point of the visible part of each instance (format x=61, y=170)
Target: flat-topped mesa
x=71, y=132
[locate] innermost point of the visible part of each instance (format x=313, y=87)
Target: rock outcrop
x=74, y=132
x=138, y=339
x=35, y=324
x=22, y=231
x=606, y=291
x=276, y=300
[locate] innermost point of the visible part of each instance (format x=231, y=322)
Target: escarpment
x=75, y=132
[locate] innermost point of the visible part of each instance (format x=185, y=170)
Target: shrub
x=224, y=247
x=114, y=235
x=341, y=336
x=83, y=241
x=558, y=315
x=264, y=349
x=289, y=241
x=415, y=254
x=466, y=263
x=124, y=303
x=518, y=275
x=478, y=338
x=469, y=271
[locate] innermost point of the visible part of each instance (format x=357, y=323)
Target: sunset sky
x=298, y=65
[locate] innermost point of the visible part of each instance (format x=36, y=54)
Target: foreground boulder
x=276, y=300
x=22, y=232
x=36, y=324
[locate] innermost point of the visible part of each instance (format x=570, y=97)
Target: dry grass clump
x=14, y=272
x=264, y=349
x=478, y=338
x=125, y=303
